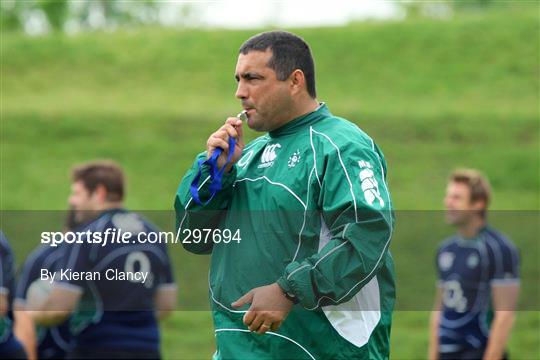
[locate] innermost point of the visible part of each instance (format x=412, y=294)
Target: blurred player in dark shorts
x=110, y=318
x=52, y=342
x=478, y=271
x=10, y=347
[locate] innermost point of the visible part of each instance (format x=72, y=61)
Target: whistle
x=242, y=115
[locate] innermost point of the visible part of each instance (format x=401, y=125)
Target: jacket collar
x=302, y=121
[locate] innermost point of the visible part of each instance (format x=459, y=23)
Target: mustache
x=248, y=106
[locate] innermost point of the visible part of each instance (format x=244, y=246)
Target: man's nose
x=241, y=91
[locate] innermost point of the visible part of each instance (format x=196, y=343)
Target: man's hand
x=3, y=304
x=232, y=128
x=269, y=308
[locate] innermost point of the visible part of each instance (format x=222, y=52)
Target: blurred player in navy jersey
x=10, y=347
x=111, y=318
x=478, y=270
x=52, y=342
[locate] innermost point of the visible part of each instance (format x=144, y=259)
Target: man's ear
x=297, y=81
x=479, y=205
x=101, y=193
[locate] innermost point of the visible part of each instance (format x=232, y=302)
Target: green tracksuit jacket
x=311, y=210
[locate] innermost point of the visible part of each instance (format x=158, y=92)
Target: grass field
x=433, y=94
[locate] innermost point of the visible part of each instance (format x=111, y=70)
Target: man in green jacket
x=300, y=229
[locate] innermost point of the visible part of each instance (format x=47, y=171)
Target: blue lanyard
x=216, y=174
